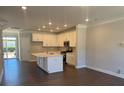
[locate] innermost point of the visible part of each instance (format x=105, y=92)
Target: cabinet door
x=60, y=40
x=63, y=35
x=67, y=57
x=55, y=64
x=49, y=40
x=34, y=37
x=37, y=37
x=41, y=37
x=73, y=39
x=38, y=61
x=55, y=40
x=52, y=40
x=45, y=65
x=71, y=58
x=67, y=36
x=45, y=39
x=41, y=62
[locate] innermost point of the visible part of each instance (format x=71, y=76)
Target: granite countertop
x=46, y=54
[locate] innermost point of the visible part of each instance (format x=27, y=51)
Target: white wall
x=25, y=46
x=81, y=46
x=103, y=50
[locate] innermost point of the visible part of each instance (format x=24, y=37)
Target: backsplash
x=37, y=47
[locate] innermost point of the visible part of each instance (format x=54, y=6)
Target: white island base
x=50, y=63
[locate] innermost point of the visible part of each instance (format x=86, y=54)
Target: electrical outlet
x=118, y=71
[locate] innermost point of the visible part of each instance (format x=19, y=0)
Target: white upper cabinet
x=37, y=37
x=72, y=38
x=55, y=39
x=60, y=40
x=34, y=37
x=67, y=36
x=48, y=39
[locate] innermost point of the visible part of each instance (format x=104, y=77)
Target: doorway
x=9, y=47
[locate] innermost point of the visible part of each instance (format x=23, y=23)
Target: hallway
x=28, y=74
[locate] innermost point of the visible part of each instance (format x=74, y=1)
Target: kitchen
x=61, y=45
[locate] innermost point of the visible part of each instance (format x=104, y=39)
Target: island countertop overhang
x=50, y=54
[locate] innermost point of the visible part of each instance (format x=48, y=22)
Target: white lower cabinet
x=71, y=58
x=55, y=64
x=40, y=62
x=45, y=63
x=51, y=64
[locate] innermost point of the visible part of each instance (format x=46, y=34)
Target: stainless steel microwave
x=66, y=43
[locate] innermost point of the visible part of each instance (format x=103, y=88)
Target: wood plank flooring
x=28, y=74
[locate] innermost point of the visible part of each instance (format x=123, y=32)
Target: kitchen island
x=50, y=62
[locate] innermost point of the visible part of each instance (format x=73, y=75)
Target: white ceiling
x=36, y=16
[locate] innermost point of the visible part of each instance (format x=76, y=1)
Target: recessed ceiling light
x=39, y=29
x=65, y=25
x=51, y=30
x=43, y=26
x=50, y=23
x=57, y=28
x=86, y=19
x=24, y=7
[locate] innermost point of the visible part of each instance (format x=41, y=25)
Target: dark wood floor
x=28, y=74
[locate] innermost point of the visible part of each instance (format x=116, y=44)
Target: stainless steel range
x=65, y=50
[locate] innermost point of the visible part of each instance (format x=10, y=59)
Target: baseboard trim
x=1, y=76
x=106, y=71
x=70, y=64
x=78, y=67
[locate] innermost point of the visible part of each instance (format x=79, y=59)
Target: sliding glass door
x=9, y=47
